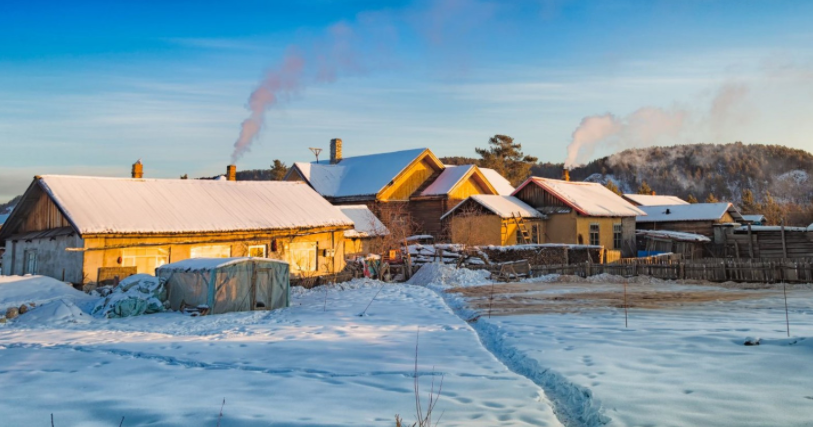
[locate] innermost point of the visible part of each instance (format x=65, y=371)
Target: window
x=616, y=236
x=211, y=251
x=302, y=256
x=535, y=233
x=146, y=260
x=594, y=234
x=256, y=251
x=30, y=266
x=519, y=236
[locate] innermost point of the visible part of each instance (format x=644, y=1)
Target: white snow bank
x=447, y=276
x=18, y=290
x=54, y=312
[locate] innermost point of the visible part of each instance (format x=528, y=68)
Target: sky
x=89, y=87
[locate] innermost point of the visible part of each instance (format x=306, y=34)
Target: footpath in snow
x=317, y=363
x=677, y=364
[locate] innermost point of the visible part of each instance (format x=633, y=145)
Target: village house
x=494, y=220
x=697, y=218
x=367, y=234
x=414, y=181
x=86, y=229
x=582, y=213
x=654, y=200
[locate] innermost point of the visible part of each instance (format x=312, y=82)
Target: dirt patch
x=535, y=298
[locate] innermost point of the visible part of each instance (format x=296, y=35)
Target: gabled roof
x=360, y=175
x=96, y=205
x=448, y=180
x=502, y=206
x=754, y=218
x=689, y=212
x=654, y=200
x=452, y=176
x=366, y=223
x=587, y=198
x=502, y=185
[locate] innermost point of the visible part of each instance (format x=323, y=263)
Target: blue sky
x=90, y=87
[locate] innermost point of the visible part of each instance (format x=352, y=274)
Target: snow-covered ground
x=681, y=361
x=683, y=366
x=315, y=363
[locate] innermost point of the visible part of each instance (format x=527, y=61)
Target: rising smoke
x=351, y=48
x=650, y=126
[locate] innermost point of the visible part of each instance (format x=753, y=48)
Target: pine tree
x=506, y=157
x=612, y=187
x=278, y=170
x=644, y=188
x=711, y=199
x=691, y=199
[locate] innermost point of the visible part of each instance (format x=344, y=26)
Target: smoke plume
x=645, y=126
x=357, y=47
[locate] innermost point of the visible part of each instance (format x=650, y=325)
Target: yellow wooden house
x=582, y=213
x=494, y=220
x=84, y=229
x=415, y=181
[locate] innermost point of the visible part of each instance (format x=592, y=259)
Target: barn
x=582, y=213
x=86, y=229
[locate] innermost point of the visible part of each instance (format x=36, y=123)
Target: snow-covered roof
x=121, y=205
x=197, y=264
x=366, y=223
x=758, y=228
x=656, y=200
x=754, y=218
x=690, y=212
x=587, y=198
x=673, y=235
x=502, y=185
x=357, y=176
x=447, y=180
x=502, y=206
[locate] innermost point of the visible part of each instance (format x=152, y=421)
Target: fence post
x=750, y=243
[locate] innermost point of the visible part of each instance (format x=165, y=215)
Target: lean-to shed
x=227, y=284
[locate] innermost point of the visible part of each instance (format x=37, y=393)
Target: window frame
x=263, y=247
x=617, y=236
x=594, y=233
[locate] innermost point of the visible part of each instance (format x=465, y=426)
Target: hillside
x=6, y=208
x=700, y=169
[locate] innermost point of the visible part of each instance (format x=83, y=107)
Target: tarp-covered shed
x=227, y=284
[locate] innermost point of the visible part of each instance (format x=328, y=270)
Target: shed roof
x=673, y=235
x=754, y=218
x=587, y=198
x=95, y=205
x=200, y=264
x=654, y=200
x=357, y=176
x=366, y=223
x=689, y=212
x=502, y=206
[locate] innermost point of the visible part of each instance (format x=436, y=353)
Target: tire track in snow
x=573, y=405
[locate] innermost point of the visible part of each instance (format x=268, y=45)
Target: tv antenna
x=316, y=152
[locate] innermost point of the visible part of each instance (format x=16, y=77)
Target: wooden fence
x=711, y=269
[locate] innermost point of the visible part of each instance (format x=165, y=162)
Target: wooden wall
x=537, y=197
x=409, y=181
x=704, y=228
x=769, y=244
x=44, y=215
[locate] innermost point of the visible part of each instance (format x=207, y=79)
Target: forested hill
x=723, y=170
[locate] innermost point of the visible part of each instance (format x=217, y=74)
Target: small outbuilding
x=482, y=220
x=367, y=231
x=227, y=284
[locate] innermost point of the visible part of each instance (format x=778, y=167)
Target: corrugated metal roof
x=656, y=200
x=689, y=212
x=120, y=205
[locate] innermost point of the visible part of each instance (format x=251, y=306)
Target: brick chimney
x=138, y=170
x=565, y=174
x=231, y=173
x=335, y=151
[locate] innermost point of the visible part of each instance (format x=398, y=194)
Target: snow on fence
x=798, y=270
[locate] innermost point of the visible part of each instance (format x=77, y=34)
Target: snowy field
x=681, y=363
x=311, y=364
x=554, y=352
